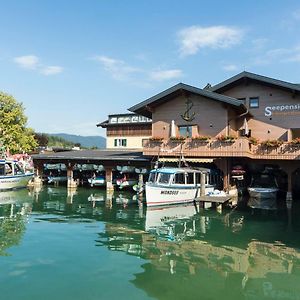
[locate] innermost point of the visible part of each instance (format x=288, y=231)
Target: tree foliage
x=14, y=134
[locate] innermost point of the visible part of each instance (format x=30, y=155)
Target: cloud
x=165, y=74
x=27, y=61
x=296, y=14
x=52, y=70
x=230, y=67
x=117, y=68
x=194, y=38
x=32, y=62
x=279, y=55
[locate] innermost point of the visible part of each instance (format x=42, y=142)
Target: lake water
x=84, y=245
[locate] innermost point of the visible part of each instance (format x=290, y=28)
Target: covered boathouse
x=248, y=121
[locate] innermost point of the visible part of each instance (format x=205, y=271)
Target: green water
x=55, y=245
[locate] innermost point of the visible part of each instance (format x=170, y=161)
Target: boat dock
x=217, y=201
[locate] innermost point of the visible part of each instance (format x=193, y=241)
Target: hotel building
x=248, y=119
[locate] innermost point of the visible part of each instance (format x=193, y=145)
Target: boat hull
x=263, y=198
x=96, y=181
x=14, y=182
x=164, y=195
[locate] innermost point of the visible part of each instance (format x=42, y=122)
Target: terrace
x=240, y=147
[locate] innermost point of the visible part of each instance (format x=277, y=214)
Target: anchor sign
x=187, y=116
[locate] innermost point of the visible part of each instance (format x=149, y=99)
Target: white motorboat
x=97, y=181
x=126, y=182
x=57, y=179
x=175, y=185
x=263, y=192
x=12, y=175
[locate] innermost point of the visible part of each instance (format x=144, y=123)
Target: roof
x=180, y=170
x=226, y=84
x=92, y=156
x=141, y=108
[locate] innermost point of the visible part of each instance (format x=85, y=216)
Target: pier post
x=202, y=184
x=289, y=196
x=37, y=180
x=71, y=183
x=108, y=178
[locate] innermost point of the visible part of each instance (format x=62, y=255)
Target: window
x=254, y=102
x=120, y=142
x=185, y=131
x=164, y=178
x=179, y=178
x=190, y=178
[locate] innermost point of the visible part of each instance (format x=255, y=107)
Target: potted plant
x=271, y=143
x=201, y=138
x=156, y=139
x=253, y=140
x=177, y=138
x=295, y=142
x=226, y=138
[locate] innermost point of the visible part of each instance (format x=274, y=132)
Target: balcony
x=214, y=148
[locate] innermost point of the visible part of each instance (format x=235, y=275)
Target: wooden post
x=108, y=178
x=37, y=180
x=70, y=183
x=289, y=189
x=202, y=184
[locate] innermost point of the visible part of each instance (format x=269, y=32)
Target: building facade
x=126, y=130
x=248, y=119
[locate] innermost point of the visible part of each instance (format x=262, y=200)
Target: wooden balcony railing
x=215, y=148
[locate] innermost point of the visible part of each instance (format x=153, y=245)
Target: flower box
x=226, y=138
x=271, y=143
x=201, y=138
x=156, y=139
x=177, y=138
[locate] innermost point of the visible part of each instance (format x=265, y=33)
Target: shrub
x=271, y=143
x=253, y=140
x=202, y=138
x=225, y=138
x=156, y=139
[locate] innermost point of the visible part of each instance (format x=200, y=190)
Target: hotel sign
x=285, y=109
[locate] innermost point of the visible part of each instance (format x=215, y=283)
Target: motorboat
x=176, y=185
x=12, y=175
x=263, y=192
x=57, y=179
x=97, y=181
x=126, y=182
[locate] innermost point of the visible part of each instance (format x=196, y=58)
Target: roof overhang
x=246, y=77
x=146, y=107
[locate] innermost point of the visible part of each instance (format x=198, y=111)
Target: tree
x=42, y=139
x=14, y=134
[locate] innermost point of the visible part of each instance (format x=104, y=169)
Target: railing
x=214, y=148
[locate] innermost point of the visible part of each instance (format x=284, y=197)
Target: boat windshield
x=152, y=177
x=164, y=178
x=264, y=181
x=2, y=169
x=18, y=169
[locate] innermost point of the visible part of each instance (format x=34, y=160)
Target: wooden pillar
x=224, y=165
x=71, y=183
x=37, y=180
x=202, y=184
x=108, y=178
x=289, y=188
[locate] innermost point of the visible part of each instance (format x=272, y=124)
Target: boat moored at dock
x=12, y=175
x=175, y=185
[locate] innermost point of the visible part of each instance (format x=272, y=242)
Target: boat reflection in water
x=15, y=207
x=163, y=220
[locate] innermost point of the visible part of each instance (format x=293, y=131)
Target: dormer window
x=254, y=102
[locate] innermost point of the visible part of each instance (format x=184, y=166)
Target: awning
x=194, y=160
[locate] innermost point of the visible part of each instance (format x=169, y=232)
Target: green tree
x=14, y=134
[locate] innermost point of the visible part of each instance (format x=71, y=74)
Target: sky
x=72, y=63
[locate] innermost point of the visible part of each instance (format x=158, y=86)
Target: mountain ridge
x=92, y=141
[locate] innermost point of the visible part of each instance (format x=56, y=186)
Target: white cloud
x=117, y=68
x=194, y=38
x=165, y=74
x=32, y=62
x=230, y=67
x=296, y=14
x=27, y=61
x=52, y=70
x=279, y=55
